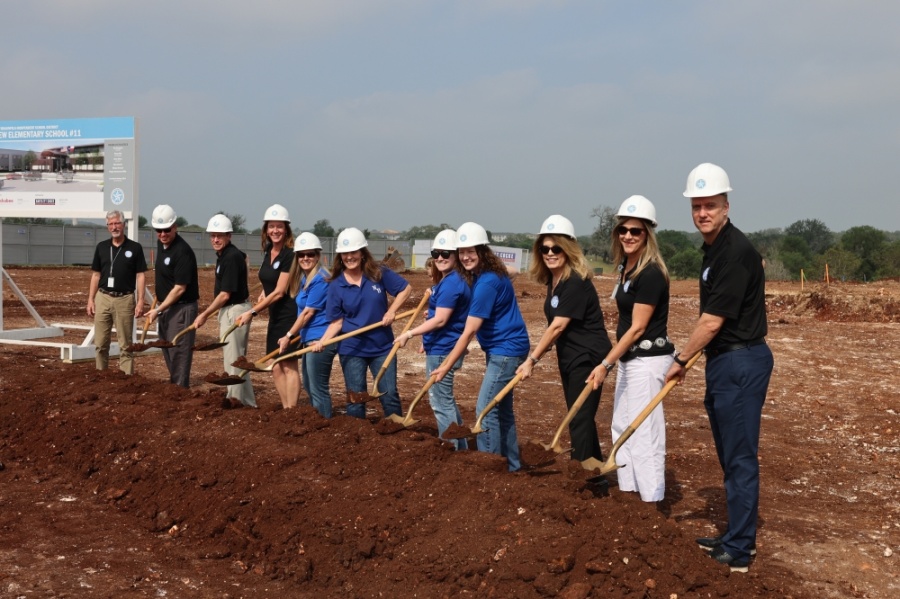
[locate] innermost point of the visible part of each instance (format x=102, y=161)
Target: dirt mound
x=332, y=507
x=838, y=303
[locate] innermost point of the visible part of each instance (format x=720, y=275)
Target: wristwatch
x=607, y=365
x=682, y=363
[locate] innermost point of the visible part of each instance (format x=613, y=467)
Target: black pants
x=583, y=428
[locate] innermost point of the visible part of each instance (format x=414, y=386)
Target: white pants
x=644, y=454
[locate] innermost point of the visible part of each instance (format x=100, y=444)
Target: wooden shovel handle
x=582, y=397
x=497, y=399
x=396, y=347
x=337, y=339
x=147, y=321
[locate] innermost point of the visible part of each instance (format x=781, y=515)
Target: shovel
x=407, y=421
x=552, y=450
x=375, y=393
x=139, y=346
x=237, y=379
x=306, y=350
x=216, y=344
x=610, y=464
x=454, y=431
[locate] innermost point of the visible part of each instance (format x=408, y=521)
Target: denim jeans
x=440, y=396
x=500, y=423
x=316, y=373
x=354, y=368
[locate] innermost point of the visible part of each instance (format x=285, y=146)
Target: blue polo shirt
x=363, y=305
x=503, y=331
x=450, y=292
x=313, y=296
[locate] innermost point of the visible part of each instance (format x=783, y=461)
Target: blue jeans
x=440, y=396
x=736, y=386
x=354, y=368
x=316, y=373
x=500, y=423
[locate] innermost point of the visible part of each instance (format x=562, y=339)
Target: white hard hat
x=350, y=240
x=558, y=225
x=707, y=180
x=471, y=234
x=445, y=240
x=638, y=207
x=277, y=212
x=219, y=224
x=307, y=241
x=163, y=217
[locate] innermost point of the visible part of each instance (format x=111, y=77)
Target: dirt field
x=129, y=487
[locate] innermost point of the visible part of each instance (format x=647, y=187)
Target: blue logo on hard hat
x=701, y=183
x=463, y=237
x=550, y=227
x=442, y=240
x=631, y=208
x=346, y=242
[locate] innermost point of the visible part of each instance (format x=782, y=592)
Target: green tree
x=794, y=255
x=686, y=264
x=766, y=241
x=889, y=265
x=323, y=228
x=866, y=243
x=817, y=236
x=238, y=222
x=142, y=222
x=423, y=232
x=523, y=241
x=602, y=235
x=842, y=264
x=28, y=160
x=181, y=222
x=672, y=242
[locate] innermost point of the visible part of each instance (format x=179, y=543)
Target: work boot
x=723, y=557
x=710, y=543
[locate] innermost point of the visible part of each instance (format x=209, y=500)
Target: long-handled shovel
x=139, y=346
x=255, y=367
x=406, y=421
x=216, y=344
x=610, y=464
x=375, y=393
x=544, y=453
x=455, y=431
x=247, y=366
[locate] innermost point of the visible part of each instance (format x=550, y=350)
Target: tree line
x=861, y=253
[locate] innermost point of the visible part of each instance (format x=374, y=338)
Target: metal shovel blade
x=218, y=343
x=358, y=397
x=455, y=431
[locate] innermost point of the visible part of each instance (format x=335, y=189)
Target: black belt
x=712, y=352
x=115, y=293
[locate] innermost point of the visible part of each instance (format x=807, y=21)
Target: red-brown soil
x=115, y=486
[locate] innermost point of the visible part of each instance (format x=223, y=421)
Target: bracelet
x=682, y=363
x=253, y=312
x=289, y=334
x=533, y=359
x=607, y=365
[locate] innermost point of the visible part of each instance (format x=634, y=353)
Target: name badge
x=110, y=283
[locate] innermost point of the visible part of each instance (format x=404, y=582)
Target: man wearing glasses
x=177, y=291
x=118, y=271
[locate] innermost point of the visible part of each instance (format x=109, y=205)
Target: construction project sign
x=68, y=168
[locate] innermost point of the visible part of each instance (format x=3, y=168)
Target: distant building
x=390, y=234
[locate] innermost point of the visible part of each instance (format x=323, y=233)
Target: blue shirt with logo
x=313, y=296
x=363, y=305
x=503, y=329
x=451, y=292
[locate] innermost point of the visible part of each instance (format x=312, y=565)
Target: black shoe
x=709, y=543
x=723, y=557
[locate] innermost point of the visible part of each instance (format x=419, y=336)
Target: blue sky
x=385, y=114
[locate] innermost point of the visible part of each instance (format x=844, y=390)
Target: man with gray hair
x=118, y=271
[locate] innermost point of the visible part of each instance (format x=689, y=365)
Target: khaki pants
x=235, y=347
x=110, y=312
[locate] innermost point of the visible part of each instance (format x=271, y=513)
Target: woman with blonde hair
x=308, y=285
x=643, y=349
x=277, y=240
x=574, y=324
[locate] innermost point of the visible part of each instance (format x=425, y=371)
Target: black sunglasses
x=306, y=254
x=547, y=249
x=635, y=231
x=445, y=254
x=158, y=231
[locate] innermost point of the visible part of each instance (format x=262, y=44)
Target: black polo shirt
x=231, y=274
x=585, y=338
x=269, y=272
x=176, y=265
x=649, y=287
x=123, y=263
x=733, y=286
